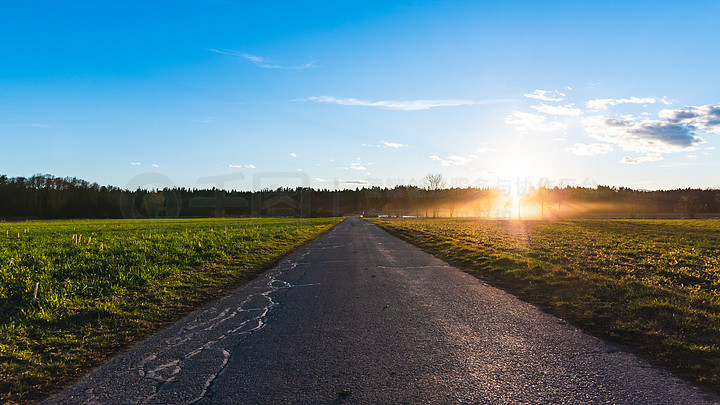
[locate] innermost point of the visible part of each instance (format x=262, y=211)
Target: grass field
x=653, y=285
x=74, y=292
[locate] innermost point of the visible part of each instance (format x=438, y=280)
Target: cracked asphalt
x=359, y=316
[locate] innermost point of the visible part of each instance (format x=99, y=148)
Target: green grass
x=653, y=285
x=106, y=283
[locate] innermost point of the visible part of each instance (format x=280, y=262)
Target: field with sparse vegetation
x=653, y=285
x=74, y=292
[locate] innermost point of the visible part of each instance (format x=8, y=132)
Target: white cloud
x=643, y=136
x=590, y=149
x=357, y=166
x=453, y=160
x=155, y=165
x=263, y=61
x=691, y=156
x=604, y=103
x=545, y=95
x=652, y=157
x=568, y=110
x=254, y=58
x=250, y=166
x=705, y=118
x=709, y=148
x=405, y=105
x=135, y=164
x=319, y=180
x=235, y=166
x=293, y=154
x=392, y=144
x=529, y=122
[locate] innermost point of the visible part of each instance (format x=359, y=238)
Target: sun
x=520, y=177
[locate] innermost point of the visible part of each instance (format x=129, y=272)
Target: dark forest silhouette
x=49, y=197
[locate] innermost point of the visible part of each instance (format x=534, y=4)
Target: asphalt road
x=359, y=316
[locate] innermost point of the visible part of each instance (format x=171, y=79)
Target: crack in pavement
x=175, y=360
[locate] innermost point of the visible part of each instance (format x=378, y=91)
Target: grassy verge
x=653, y=285
x=104, y=284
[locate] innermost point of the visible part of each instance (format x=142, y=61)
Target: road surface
x=359, y=316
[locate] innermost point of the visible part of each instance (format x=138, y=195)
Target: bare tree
x=434, y=183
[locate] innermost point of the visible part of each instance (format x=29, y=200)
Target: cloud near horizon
x=358, y=182
x=706, y=118
x=453, y=160
x=591, y=149
x=652, y=157
x=403, y=105
x=643, y=136
x=651, y=138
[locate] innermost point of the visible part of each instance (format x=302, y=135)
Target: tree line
x=49, y=197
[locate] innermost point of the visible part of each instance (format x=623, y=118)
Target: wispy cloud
x=583, y=149
x=250, y=166
x=235, y=166
x=546, y=95
x=568, y=110
x=292, y=154
x=604, y=103
x=135, y=164
x=263, y=61
x=404, y=105
x=319, y=180
x=357, y=166
x=155, y=165
x=453, y=160
x=529, y=122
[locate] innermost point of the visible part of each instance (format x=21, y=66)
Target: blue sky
x=343, y=94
